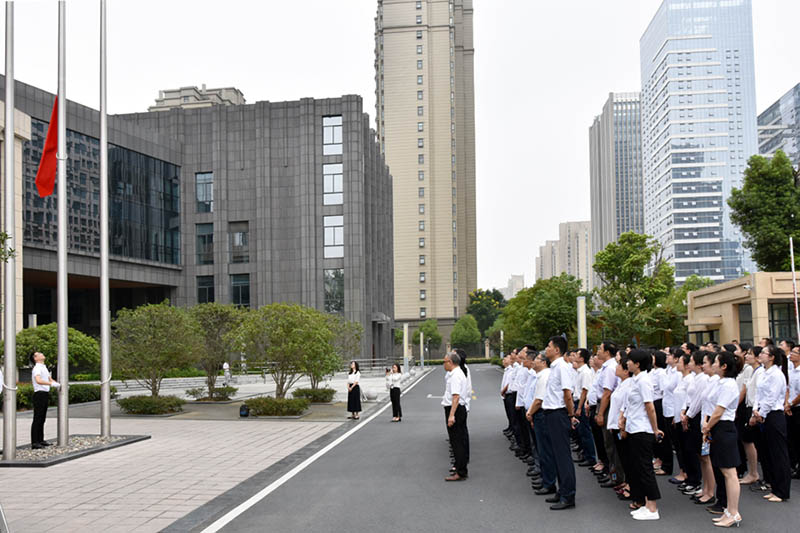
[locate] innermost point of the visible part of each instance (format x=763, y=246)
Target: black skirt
x=749, y=433
x=354, y=400
x=724, y=448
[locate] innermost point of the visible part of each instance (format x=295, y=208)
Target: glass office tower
x=698, y=131
x=779, y=127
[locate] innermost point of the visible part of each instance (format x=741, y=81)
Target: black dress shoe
x=560, y=506
x=45, y=443
x=586, y=463
x=710, y=501
x=531, y=461
x=531, y=473
x=715, y=509
x=536, y=486
x=610, y=484
x=36, y=446
x=545, y=490
x=603, y=479
x=555, y=498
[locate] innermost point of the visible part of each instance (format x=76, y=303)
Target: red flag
x=46, y=175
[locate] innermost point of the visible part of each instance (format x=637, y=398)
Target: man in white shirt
x=583, y=383
x=42, y=382
x=606, y=383
x=526, y=354
x=547, y=484
x=559, y=413
x=507, y=369
x=510, y=398
x=454, y=402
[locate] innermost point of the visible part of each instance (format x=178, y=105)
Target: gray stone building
x=249, y=204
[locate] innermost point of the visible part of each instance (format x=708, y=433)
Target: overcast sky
x=543, y=70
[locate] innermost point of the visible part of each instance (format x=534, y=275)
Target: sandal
x=660, y=472
x=633, y=506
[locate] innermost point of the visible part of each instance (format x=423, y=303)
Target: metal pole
x=405, y=348
x=421, y=349
x=794, y=288
x=63, y=228
x=501, y=344
x=581, y=321
x=105, y=304
x=10, y=322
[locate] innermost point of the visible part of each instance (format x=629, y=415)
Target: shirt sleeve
x=609, y=379
x=646, y=389
x=728, y=394
x=566, y=377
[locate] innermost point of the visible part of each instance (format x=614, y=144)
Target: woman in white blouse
x=769, y=412
x=749, y=434
x=720, y=430
x=639, y=426
x=393, y=379
x=353, y=391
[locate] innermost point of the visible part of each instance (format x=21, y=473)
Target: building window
x=422, y=277
x=745, y=323
x=455, y=277
x=781, y=320
x=420, y=110
x=419, y=49
x=334, y=236
x=422, y=260
x=422, y=242
x=332, y=184
x=331, y=135
x=422, y=225
x=420, y=142
x=204, y=182
x=419, y=95
x=419, y=4
x=239, y=241
x=421, y=192
x=421, y=209
x=240, y=290
x=205, y=244
x=419, y=64
x=205, y=289
x=420, y=126
x=419, y=19
x=421, y=159
x=422, y=312
x=419, y=34
x=455, y=294
x=419, y=79
x=333, y=280
x=422, y=294
x=421, y=175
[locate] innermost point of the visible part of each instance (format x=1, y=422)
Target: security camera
x=746, y=287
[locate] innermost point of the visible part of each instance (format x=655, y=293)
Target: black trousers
x=597, y=433
x=777, y=454
x=458, y=438
x=558, y=426
x=692, y=442
x=674, y=430
x=40, y=401
x=663, y=449
x=524, y=432
x=394, y=395
x=793, y=423
x=509, y=414
x=511, y=400
x=641, y=477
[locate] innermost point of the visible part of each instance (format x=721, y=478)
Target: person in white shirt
x=620, y=457
x=535, y=415
x=720, y=429
x=42, y=382
x=455, y=411
x=768, y=411
x=674, y=396
x=793, y=410
x=583, y=383
x=526, y=354
x=394, y=377
x=638, y=424
x=706, y=407
x=353, y=391
x=751, y=435
x=607, y=381
x=507, y=370
x=690, y=420
x=559, y=413
x=689, y=466
x=591, y=412
x=662, y=449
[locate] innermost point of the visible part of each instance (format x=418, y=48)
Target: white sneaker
x=646, y=515
x=636, y=511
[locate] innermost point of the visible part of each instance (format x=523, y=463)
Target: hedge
x=151, y=405
x=78, y=393
x=315, y=395
x=221, y=394
x=269, y=406
x=174, y=373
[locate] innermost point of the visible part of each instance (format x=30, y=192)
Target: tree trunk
x=211, y=380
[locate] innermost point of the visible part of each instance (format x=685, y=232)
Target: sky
x=543, y=69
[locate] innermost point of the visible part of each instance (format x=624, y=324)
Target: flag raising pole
x=794, y=288
x=10, y=374
x=63, y=358
x=105, y=308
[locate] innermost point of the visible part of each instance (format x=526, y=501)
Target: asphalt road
x=390, y=477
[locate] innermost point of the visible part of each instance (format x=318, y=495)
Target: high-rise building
x=615, y=162
x=698, y=131
x=193, y=97
x=515, y=284
x=570, y=254
x=426, y=127
x=779, y=126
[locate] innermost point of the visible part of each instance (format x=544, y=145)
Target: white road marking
x=266, y=491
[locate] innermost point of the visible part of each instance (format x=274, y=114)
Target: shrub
x=496, y=361
x=184, y=373
x=221, y=394
x=85, y=377
x=80, y=393
x=269, y=406
x=84, y=351
x=315, y=395
x=196, y=393
x=151, y=405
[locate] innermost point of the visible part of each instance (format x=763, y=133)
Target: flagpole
x=63, y=229
x=105, y=308
x=794, y=288
x=10, y=322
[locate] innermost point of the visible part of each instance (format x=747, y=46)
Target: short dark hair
x=560, y=343
x=692, y=347
x=642, y=358
x=770, y=342
x=686, y=358
x=610, y=347
x=729, y=347
x=676, y=352
x=545, y=359
x=744, y=346
x=660, y=359
x=756, y=350
x=531, y=348
x=698, y=356
x=584, y=353
x=730, y=362
x=790, y=343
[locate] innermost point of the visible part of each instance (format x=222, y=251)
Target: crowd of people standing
x=703, y=417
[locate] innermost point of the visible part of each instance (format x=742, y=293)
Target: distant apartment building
x=425, y=116
x=779, y=126
x=570, y=254
x=515, y=284
x=616, y=187
x=698, y=131
x=193, y=98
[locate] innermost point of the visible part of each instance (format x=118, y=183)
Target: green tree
x=84, y=352
x=485, y=306
x=493, y=334
x=431, y=330
x=398, y=336
x=465, y=333
x=767, y=210
x=546, y=309
x=667, y=319
x=216, y=321
x=283, y=337
x=345, y=344
x=149, y=341
x=635, y=278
